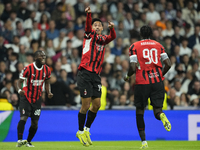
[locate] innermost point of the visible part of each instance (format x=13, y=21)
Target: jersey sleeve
x=105, y=39
x=88, y=25
x=163, y=54
x=133, y=54
x=24, y=73
x=48, y=73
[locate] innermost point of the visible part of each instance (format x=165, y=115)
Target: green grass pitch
x=110, y=145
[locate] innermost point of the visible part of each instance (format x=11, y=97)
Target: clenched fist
x=88, y=10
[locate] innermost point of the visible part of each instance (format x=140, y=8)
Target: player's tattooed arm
x=48, y=88
x=19, y=87
x=131, y=71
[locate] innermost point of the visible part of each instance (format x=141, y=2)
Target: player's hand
x=22, y=92
x=50, y=95
x=88, y=10
x=111, y=24
x=126, y=78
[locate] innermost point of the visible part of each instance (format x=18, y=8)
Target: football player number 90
x=151, y=55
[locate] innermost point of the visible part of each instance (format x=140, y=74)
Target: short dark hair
x=97, y=19
x=37, y=53
x=146, y=32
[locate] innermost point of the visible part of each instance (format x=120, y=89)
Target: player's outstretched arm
x=167, y=66
x=88, y=23
x=108, y=38
x=48, y=88
x=131, y=71
x=19, y=87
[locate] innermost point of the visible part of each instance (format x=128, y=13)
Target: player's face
x=41, y=58
x=97, y=26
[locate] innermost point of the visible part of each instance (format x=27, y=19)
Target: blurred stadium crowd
x=57, y=28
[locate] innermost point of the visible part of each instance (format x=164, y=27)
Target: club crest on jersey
x=85, y=92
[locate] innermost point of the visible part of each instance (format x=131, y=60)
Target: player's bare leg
x=141, y=126
x=81, y=120
x=20, y=130
x=161, y=116
x=96, y=103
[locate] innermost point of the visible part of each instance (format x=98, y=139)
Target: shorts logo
x=37, y=112
x=85, y=92
x=23, y=111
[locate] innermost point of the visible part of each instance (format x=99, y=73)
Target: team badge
x=85, y=92
x=23, y=111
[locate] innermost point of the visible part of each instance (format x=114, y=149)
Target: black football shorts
x=89, y=84
x=153, y=91
x=28, y=109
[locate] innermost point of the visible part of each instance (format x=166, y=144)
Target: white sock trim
x=87, y=129
x=81, y=132
x=144, y=142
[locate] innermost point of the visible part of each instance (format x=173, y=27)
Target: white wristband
x=127, y=76
x=19, y=90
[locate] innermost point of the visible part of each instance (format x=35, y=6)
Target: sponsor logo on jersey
x=153, y=75
x=37, y=82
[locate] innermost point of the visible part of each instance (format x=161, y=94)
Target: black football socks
x=20, y=129
x=31, y=134
x=90, y=118
x=141, y=126
x=81, y=120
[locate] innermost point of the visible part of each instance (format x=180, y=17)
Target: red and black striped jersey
x=148, y=55
x=34, y=78
x=93, y=47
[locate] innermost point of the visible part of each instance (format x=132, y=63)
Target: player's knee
x=34, y=124
x=24, y=118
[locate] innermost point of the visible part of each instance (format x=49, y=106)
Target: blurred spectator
x=128, y=22
x=62, y=22
x=172, y=72
x=3, y=49
x=184, y=49
x=95, y=6
x=143, y=19
x=169, y=31
x=176, y=38
x=160, y=5
x=2, y=70
x=178, y=21
x=195, y=38
x=52, y=33
x=170, y=12
x=35, y=32
x=79, y=8
x=194, y=100
x=152, y=15
x=185, y=61
x=8, y=33
x=117, y=50
x=8, y=86
x=50, y=48
x=168, y=45
x=14, y=19
x=49, y=63
x=68, y=51
x=184, y=100
x=69, y=11
x=26, y=39
x=57, y=69
x=15, y=44
x=75, y=56
x=194, y=90
x=162, y=22
x=29, y=59
x=79, y=24
x=28, y=23
x=108, y=57
x=12, y=62
x=104, y=12
x=123, y=100
x=62, y=93
x=7, y=11
x=50, y=5
x=136, y=11
x=190, y=15
x=64, y=78
x=77, y=41
x=56, y=14
x=44, y=22
x=74, y=71
x=177, y=87
x=122, y=32
x=23, y=12
x=60, y=42
x=42, y=41
x=22, y=55
x=41, y=11
x=14, y=101
x=65, y=64
x=119, y=15
x=19, y=30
